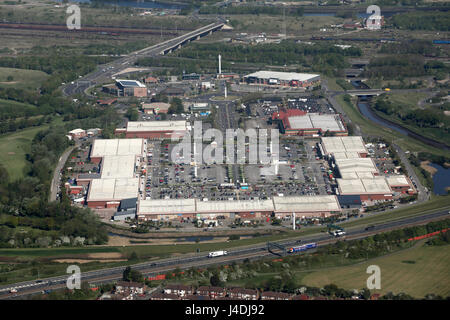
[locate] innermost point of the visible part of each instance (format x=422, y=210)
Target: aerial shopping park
x=122, y=183
x=321, y=170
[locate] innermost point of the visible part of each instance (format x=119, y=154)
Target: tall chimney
x=220, y=65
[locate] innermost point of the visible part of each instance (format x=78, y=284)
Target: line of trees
x=420, y=20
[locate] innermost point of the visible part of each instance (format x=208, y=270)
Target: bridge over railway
x=106, y=71
x=365, y=92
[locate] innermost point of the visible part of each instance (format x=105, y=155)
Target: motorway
x=201, y=260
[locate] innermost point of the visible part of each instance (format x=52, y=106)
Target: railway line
x=253, y=252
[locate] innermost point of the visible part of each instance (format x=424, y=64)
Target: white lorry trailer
x=217, y=254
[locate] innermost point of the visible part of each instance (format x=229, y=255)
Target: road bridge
x=365, y=92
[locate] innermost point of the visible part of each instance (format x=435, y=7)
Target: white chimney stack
x=220, y=65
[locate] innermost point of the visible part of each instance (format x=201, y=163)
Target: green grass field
x=410, y=99
x=25, y=79
x=73, y=252
x=13, y=148
x=416, y=271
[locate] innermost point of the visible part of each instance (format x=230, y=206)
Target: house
x=164, y=296
x=93, y=132
x=173, y=92
x=106, y=102
x=196, y=297
x=207, y=85
x=77, y=133
x=191, y=76
x=213, y=292
x=155, y=107
x=178, y=289
x=270, y=295
x=242, y=294
x=130, y=287
x=150, y=80
x=301, y=297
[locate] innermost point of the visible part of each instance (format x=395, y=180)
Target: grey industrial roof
x=325, y=122
x=113, y=189
x=130, y=83
x=343, y=144
x=168, y=206
x=285, y=76
x=118, y=166
x=276, y=204
x=234, y=206
x=398, y=180
x=377, y=185
x=306, y=204
x=138, y=126
x=355, y=165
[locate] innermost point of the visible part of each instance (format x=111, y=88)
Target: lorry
x=217, y=254
x=338, y=233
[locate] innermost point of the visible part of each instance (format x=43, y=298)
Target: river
x=441, y=179
x=365, y=109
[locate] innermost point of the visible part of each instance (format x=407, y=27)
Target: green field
x=25, y=79
x=73, y=252
x=13, y=148
x=416, y=271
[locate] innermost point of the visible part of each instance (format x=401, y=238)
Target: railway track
x=201, y=260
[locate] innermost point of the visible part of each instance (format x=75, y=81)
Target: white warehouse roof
x=399, y=180
x=285, y=76
x=111, y=147
x=343, y=144
x=146, y=126
x=277, y=204
x=234, y=206
x=356, y=165
x=325, y=122
x=306, y=204
x=376, y=185
x=169, y=206
x=113, y=189
x=118, y=166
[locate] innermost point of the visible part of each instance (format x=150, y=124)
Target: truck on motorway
x=217, y=254
x=338, y=233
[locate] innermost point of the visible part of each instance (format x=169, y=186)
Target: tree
x=132, y=114
x=176, y=106
x=215, y=280
x=133, y=256
x=126, y=274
